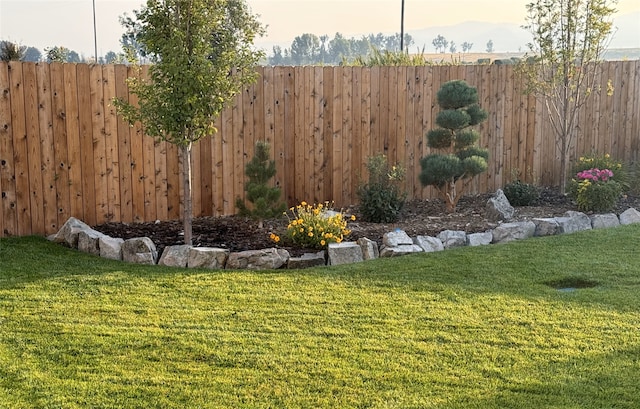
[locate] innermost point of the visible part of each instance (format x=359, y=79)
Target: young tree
x=10, y=51
x=202, y=57
x=265, y=199
x=460, y=158
x=466, y=47
x=490, y=46
x=569, y=38
x=57, y=54
x=440, y=43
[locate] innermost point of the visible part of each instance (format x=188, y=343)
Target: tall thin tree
x=202, y=57
x=569, y=39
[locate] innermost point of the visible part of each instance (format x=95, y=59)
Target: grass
x=467, y=328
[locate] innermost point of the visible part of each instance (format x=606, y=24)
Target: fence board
x=318, y=132
x=346, y=137
x=111, y=144
x=64, y=144
x=125, y=161
x=327, y=162
x=8, y=222
x=99, y=144
x=45, y=118
x=34, y=160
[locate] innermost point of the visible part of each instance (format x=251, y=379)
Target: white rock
x=630, y=216
x=139, y=250
x=479, y=239
x=396, y=238
x=453, y=238
x=175, y=256
x=401, y=250
x=208, y=257
x=369, y=248
x=429, y=244
x=344, y=253
x=110, y=247
x=513, y=231
x=604, y=221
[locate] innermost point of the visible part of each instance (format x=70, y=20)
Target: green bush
x=381, y=199
x=620, y=170
x=595, y=196
x=520, y=193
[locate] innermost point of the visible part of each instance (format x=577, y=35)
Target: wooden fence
x=64, y=151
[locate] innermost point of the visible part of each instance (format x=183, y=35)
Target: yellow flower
x=606, y=155
x=353, y=217
x=301, y=230
x=310, y=234
x=303, y=203
x=322, y=242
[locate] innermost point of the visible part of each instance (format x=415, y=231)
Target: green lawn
x=466, y=328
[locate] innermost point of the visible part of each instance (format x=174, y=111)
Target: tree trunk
x=187, y=214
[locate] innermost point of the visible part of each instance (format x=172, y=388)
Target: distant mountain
x=508, y=37
x=505, y=36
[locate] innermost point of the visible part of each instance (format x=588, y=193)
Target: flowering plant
x=595, y=175
x=595, y=189
x=315, y=226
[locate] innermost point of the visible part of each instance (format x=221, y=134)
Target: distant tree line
x=10, y=51
x=309, y=49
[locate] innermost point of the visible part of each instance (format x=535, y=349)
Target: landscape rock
x=546, y=227
x=344, y=253
x=479, y=239
x=139, y=250
x=573, y=222
x=307, y=260
x=175, y=256
x=369, y=248
x=513, y=231
x=266, y=259
x=401, y=250
x=604, y=221
x=68, y=233
x=209, y=257
x=499, y=208
x=88, y=241
x=110, y=247
x=453, y=238
x=396, y=238
x=630, y=216
x=429, y=244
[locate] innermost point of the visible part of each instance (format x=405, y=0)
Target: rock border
x=78, y=235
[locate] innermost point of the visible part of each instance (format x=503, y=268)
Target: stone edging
x=76, y=234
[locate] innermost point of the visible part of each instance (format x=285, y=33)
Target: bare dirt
x=419, y=217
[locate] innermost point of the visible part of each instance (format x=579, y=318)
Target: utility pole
x=95, y=33
x=401, y=27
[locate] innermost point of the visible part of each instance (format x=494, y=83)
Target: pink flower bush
x=595, y=175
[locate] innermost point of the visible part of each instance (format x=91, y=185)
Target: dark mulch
x=419, y=217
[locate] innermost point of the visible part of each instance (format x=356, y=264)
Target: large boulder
x=175, y=256
x=513, y=231
x=369, y=248
x=139, y=250
x=266, y=259
x=429, y=244
x=68, y=233
x=396, y=238
x=110, y=247
x=453, y=238
x=604, y=221
x=401, y=250
x=573, y=221
x=344, y=253
x=479, y=239
x=630, y=216
x=307, y=260
x=547, y=226
x=499, y=208
x=208, y=257
x=89, y=241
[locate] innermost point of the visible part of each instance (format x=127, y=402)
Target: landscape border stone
x=78, y=235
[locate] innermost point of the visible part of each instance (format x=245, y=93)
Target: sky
x=69, y=23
